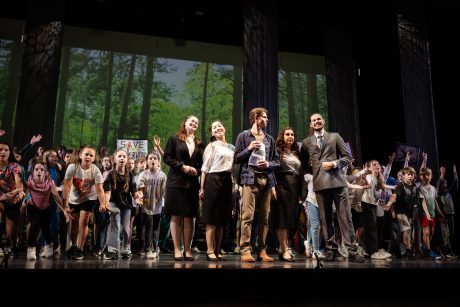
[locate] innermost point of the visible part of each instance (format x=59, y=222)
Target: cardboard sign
x=134, y=148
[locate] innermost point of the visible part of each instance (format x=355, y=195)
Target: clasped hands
x=189, y=170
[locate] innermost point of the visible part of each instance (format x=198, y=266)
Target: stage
x=163, y=281
x=166, y=261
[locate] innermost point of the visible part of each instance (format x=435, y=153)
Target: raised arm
x=156, y=144
x=387, y=171
x=454, y=185
x=406, y=162
x=424, y=160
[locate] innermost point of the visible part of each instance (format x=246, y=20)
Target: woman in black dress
x=287, y=191
x=184, y=155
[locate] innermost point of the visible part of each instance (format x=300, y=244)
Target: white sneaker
x=1, y=253
x=385, y=253
x=150, y=255
x=128, y=249
x=378, y=256
x=196, y=250
x=47, y=251
x=31, y=253
x=343, y=251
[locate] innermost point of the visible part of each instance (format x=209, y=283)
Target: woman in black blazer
x=184, y=155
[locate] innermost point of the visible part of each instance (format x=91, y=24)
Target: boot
x=263, y=257
x=247, y=258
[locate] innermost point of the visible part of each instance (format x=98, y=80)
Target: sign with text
x=135, y=148
x=402, y=150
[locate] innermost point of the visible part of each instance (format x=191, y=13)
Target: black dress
x=283, y=210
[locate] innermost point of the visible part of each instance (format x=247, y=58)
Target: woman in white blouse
x=216, y=188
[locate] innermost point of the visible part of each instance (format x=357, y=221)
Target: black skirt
x=182, y=202
x=217, y=202
x=283, y=210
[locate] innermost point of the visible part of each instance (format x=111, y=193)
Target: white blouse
x=218, y=157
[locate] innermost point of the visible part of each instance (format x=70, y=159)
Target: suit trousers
x=338, y=196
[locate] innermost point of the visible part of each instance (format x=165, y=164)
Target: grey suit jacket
x=333, y=149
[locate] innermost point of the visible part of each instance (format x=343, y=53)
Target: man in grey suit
x=324, y=154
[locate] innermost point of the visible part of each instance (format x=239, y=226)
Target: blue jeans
x=313, y=218
x=119, y=225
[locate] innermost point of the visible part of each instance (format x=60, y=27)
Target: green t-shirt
x=429, y=193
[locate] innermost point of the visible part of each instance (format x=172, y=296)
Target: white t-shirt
x=370, y=195
x=155, y=186
x=311, y=196
x=83, y=183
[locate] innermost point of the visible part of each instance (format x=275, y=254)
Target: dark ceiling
x=222, y=21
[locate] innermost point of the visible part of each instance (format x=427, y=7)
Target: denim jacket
x=242, y=154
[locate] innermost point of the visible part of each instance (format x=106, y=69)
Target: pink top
x=40, y=192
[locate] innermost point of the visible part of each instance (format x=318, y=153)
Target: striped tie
x=320, y=141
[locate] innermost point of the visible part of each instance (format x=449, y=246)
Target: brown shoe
x=247, y=258
x=263, y=257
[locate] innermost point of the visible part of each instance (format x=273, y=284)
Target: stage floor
x=163, y=281
x=166, y=261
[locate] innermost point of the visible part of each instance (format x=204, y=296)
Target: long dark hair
x=213, y=138
x=281, y=144
x=11, y=157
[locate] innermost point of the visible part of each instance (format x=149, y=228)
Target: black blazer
x=176, y=155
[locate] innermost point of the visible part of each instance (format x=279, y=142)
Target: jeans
x=119, y=225
x=313, y=218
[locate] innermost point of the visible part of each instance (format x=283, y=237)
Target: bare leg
x=176, y=234
x=210, y=240
x=218, y=242
x=188, y=235
x=83, y=228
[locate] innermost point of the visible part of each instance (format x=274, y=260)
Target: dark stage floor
x=166, y=261
x=163, y=281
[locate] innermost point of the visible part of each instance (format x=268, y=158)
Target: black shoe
x=188, y=258
x=215, y=259
x=110, y=256
x=70, y=253
x=356, y=258
x=125, y=256
x=79, y=255
x=330, y=256
x=282, y=258
x=178, y=258
x=220, y=257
